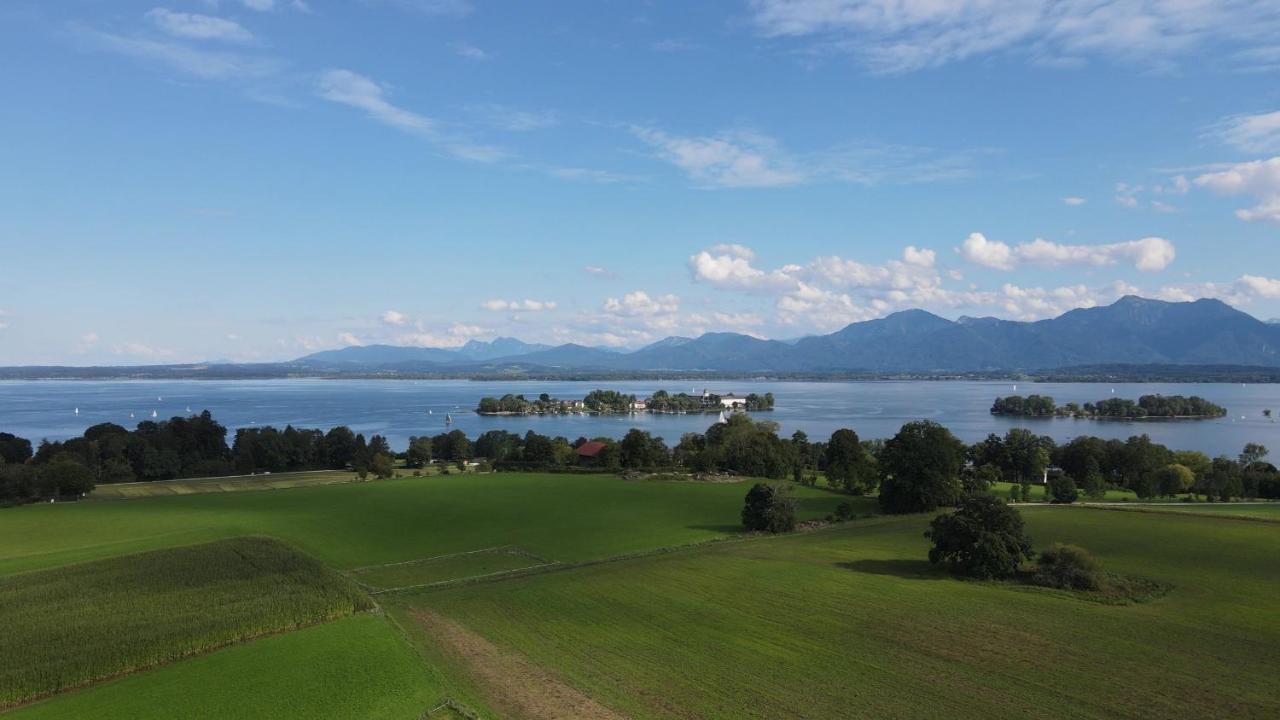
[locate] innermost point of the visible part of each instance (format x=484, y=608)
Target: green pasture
x=855, y=622
x=356, y=667
x=77, y=624
x=559, y=517
x=192, y=486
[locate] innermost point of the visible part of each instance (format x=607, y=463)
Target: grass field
x=357, y=667
x=1001, y=490
x=854, y=621
x=1248, y=510
x=558, y=517
x=448, y=567
x=76, y=624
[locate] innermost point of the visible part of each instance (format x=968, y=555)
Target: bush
x=769, y=508
x=843, y=512
x=983, y=538
x=1068, y=567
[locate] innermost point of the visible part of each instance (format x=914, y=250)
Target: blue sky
x=255, y=179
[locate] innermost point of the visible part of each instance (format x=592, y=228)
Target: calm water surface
x=399, y=408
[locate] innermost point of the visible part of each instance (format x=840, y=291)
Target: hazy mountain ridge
x=1133, y=331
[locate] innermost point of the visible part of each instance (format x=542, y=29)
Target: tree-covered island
x=1147, y=407
x=612, y=402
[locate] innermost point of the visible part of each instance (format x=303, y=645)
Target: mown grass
x=559, y=517
x=356, y=667
x=1248, y=510
x=82, y=623
x=854, y=622
x=1001, y=490
x=192, y=486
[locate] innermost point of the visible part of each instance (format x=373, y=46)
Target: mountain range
x=1131, y=331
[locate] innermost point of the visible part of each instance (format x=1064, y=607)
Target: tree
x=1252, y=453
x=984, y=538
x=418, y=454
x=1062, y=489
x=13, y=449
x=920, y=467
x=639, y=449
x=846, y=463
x=381, y=466
x=1173, y=479
x=65, y=478
x=769, y=508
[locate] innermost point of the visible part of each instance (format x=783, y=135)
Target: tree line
x=922, y=467
x=1147, y=406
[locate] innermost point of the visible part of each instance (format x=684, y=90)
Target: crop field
x=72, y=625
x=559, y=517
x=815, y=624
x=356, y=667
x=1248, y=510
x=163, y=488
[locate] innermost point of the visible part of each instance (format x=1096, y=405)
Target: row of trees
x=1147, y=406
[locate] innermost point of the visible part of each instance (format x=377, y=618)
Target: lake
x=401, y=408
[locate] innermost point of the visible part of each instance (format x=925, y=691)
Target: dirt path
x=515, y=687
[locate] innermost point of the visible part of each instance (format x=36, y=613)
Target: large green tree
x=984, y=538
x=920, y=468
x=846, y=463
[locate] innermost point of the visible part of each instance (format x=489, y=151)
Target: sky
x=254, y=180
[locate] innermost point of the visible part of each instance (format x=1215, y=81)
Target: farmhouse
x=589, y=452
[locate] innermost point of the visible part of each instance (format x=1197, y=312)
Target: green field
x=854, y=622
x=558, y=517
x=68, y=626
x=1248, y=510
x=357, y=667
x=1001, y=490
x=845, y=621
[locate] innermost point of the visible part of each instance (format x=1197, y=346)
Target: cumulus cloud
x=892, y=36
x=1251, y=133
x=453, y=336
x=1036, y=303
x=1074, y=201
x=499, y=305
x=198, y=27
x=1259, y=178
x=640, y=304
x=1147, y=254
x=1242, y=291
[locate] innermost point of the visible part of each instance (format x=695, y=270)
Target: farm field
x=356, y=667
x=744, y=629
x=1001, y=490
x=559, y=517
x=192, y=486
x=72, y=625
x=1250, y=510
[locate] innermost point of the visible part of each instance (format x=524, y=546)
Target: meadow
x=855, y=621
x=72, y=625
x=566, y=518
x=243, y=483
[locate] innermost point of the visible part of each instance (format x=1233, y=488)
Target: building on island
x=639, y=404
x=733, y=402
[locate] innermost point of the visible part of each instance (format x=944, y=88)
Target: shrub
x=1069, y=567
x=843, y=512
x=983, y=538
x=769, y=508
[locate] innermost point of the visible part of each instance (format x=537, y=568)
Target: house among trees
x=733, y=402
x=639, y=404
x=589, y=452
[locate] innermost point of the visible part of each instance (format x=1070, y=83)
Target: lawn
x=1001, y=490
x=81, y=623
x=854, y=621
x=356, y=667
x=565, y=518
x=242, y=483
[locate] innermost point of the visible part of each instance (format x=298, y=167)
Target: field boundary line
x=1155, y=509
x=443, y=557
x=531, y=570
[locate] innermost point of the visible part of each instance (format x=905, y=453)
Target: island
x=612, y=402
x=1148, y=407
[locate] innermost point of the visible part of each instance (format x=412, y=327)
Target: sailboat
x=723, y=418
x=448, y=419
x=428, y=412
x=77, y=411
x=188, y=409
x=130, y=416
x=154, y=414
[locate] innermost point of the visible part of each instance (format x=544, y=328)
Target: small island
x=1148, y=407
x=612, y=402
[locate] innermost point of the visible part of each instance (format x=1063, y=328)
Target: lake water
x=399, y=408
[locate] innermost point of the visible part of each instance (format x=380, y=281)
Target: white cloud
x=470, y=52
x=349, y=340
x=599, y=271
x=357, y=91
x=198, y=27
x=640, y=304
x=728, y=160
x=260, y=5
x=518, y=305
x=1242, y=291
x=895, y=36
x=1148, y=254
x=1074, y=201
x=979, y=250
x=394, y=317
x=1035, y=303
x=205, y=64
x=1259, y=178
x=1251, y=133
x=455, y=335
x=729, y=266
x=506, y=118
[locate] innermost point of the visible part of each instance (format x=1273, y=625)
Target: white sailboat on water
x=155, y=414
x=77, y=411
x=448, y=419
